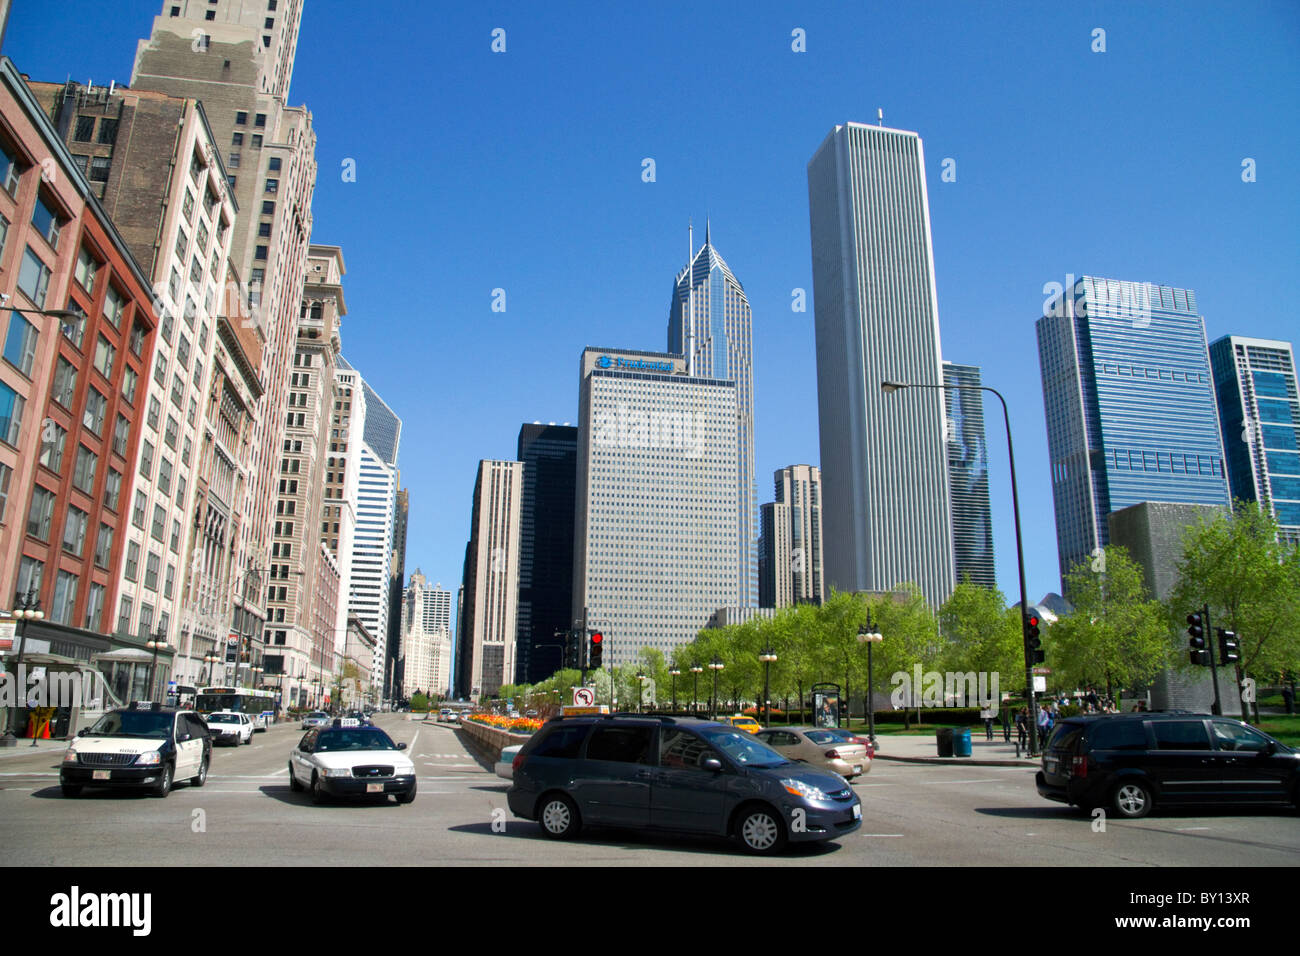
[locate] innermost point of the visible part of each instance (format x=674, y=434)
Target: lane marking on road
x=882, y=835
x=1186, y=829
x=952, y=782
x=414, y=739
x=281, y=772
x=32, y=774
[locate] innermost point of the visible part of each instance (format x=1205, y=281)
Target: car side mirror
x=182, y=737
x=83, y=731
x=712, y=763
x=1268, y=749
x=401, y=746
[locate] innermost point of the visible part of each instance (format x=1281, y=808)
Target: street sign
x=7, y=631
x=583, y=696
x=1040, y=684
x=585, y=711
x=1042, y=671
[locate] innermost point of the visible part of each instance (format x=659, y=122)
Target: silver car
x=819, y=748
x=316, y=718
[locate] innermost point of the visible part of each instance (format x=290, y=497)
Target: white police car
x=147, y=745
x=228, y=726
x=351, y=759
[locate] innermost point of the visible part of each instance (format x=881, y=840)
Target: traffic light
x=1229, y=647
x=1032, y=641
x=597, y=649
x=1196, y=640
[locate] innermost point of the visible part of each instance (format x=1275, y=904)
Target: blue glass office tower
x=1259, y=408
x=968, y=476
x=710, y=324
x=1131, y=413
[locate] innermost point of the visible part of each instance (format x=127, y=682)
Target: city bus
x=260, y=705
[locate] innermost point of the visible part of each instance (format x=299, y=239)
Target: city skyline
x=992, y=260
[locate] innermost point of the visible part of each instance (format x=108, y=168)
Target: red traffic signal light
x=597, y=637
x=597, y=650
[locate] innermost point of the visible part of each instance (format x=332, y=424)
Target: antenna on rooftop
x=880, y=117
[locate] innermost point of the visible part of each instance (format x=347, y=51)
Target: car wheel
x=202, y=778
x=294, y=785
x=1132, y=799
x=407, y=797
x=71, y=789
x=559, y=817
x=164, y=784
x=761, y=830
x=317, y=791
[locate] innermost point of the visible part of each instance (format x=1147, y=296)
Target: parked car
x=1131, y=763
x=317, y=718
x=675, y=774
x=229, y=727
x=748, y=724
x=818, y=747
x=849, y=737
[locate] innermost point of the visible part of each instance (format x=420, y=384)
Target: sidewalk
x=922, y=748
x=25, y=746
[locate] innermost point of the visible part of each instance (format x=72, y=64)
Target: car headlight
x=69, y=756
x=338, y=771
x=805, y=790
x=151, y=759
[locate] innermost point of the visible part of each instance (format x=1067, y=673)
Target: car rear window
x=1118, y=735
x=1065, y=737
x=819, y=736
x=563, y=741
x=620, y=744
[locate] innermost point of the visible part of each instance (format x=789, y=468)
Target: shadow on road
x=610, y=838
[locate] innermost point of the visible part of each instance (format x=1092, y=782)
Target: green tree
x=985, y=634
x=1116, y=634
x=1235, y=564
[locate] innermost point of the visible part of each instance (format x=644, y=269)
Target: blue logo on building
x=604, y=361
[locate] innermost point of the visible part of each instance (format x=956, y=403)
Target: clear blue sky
x=522, y=171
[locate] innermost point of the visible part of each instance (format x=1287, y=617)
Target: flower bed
x=515, y=725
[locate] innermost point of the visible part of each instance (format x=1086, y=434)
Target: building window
x=137, y=339
x=104, y=546
x=74, y=326
x=74, y=531
x=114, y=305
x=146, y=458
x=85, y=132
x=94, y=606
x=99, y=166
x=129, y=380
x=108, y=131
x=83, y=472
x=272, y=186
x=138, y=512
x=20, y=344
x=259, y=121
x=121, y=430
x=46, y=221
x=5, y=472
x=233, y=161
x=152, y=565
x=87, y=267
x=241, y=118
x=34, y=278
x=159, y=527
x=11, y=414
x=124, y=616
x=112, y=490
x=65, y=598
x=104, y=356
x=53, y=439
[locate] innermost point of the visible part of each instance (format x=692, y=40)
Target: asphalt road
x=913, y=815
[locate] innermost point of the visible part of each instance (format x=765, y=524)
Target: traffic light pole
x=1214, y=670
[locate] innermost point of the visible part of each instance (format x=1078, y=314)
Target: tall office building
x=968, y=476
x=790, y=555
x=237, y=58
x=425, y=624
x=396, y=575
x=369, y=596
x=1259, y=410
x=883, y=460
x=710, y=324
x=130, y=145
x=656, y=543
x=1131, y=414
x=485, y=658
x=549, y=454
x=342, y=477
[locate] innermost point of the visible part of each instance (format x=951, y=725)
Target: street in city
x=915, y=814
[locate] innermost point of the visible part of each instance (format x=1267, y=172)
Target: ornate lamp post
x=715, y=665
x=211, y=660
x=27, y=607
x=868, y=635
x=159, y=643
x=674, y=671
x=768, y=657
x=697, y=670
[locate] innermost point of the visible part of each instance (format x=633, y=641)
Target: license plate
x=374, y=788
x=1050, y=764
x=857, y=812
x=101, y=775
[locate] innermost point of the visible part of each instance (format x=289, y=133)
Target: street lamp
x=640, y=682
x=211, y=660
x=768, y=657
x=715, y=665
x=697, y=670
x=889, y=388
x=159, y=643
x=674, y=672
x=868, y=635
x=27, y=608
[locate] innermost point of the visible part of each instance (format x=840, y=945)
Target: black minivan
x=684, y=775
x=1132, y=762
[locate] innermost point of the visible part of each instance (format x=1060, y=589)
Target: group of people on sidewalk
x=1049, y=712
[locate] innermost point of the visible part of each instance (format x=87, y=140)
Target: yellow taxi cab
x=748, y=724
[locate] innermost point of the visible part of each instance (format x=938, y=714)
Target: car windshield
x=820, y=736
x=354, y=739
x=743, y=748
x=318, y=716
x=222, y=718
x=133, y=723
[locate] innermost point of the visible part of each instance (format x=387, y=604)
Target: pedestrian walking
x=986, y=714
x=1006, y=725
x=1022, y=726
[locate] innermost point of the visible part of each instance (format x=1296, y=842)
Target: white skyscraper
x=656, y=539
x=884, y=463
x=376, y=502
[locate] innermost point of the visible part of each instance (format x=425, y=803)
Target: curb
x=961, y=761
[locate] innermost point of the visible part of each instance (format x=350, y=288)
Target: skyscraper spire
x=706, y=230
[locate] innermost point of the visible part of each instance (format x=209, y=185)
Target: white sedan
x=351, y=759
x=229, y=727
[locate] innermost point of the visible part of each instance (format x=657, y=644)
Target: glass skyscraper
x=1131, y=414
x=1259, y=409
x=884, y=464
x=968, y=476
x=710, y=324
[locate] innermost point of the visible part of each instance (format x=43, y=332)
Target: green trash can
x=943, y=737
x=961, y=742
